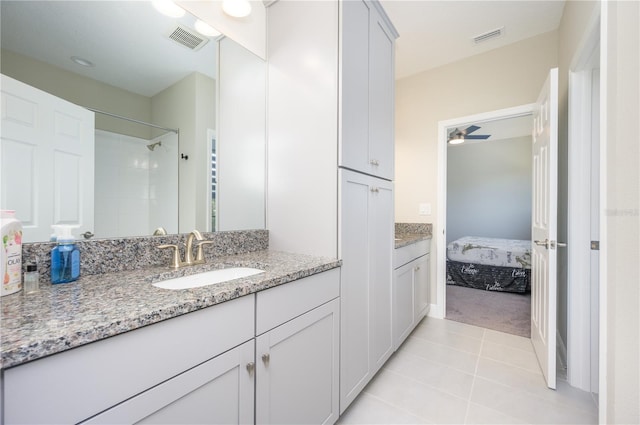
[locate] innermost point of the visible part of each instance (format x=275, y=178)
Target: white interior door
x=544, y=227
x=47, y=158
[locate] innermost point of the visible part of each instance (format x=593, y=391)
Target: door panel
x=544, y=228
x=47, y=158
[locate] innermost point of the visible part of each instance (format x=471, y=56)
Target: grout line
x=405, y=411
x=473, y=382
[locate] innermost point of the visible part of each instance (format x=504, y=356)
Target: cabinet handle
x=416, y=268
x=265, y=359
x=251, y=366
x=375, y=190
x=374, y=162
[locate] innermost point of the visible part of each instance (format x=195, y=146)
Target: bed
x=489, y=263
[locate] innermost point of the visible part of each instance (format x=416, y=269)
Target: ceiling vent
x=188, y=38
x=488, y=35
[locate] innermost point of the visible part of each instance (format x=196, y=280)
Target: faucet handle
x=200, y=254
x=175, y=261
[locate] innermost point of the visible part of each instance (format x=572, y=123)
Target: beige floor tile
x=525, y=406
x=512, y=356
x=442, y=378
x=455, y=327
x=513, y=341
x=441, y=335
x=447, y=356
x=367, y=409
x=478, y=414
x=418, y=399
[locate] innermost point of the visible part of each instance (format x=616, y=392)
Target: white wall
x=241, y=138
x=622, y=210
x=501, y=78
x=489, y=189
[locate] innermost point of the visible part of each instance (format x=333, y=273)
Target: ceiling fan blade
x=477, y=136
x=471, y=129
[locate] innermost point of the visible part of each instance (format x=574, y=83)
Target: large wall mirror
x=176, y=121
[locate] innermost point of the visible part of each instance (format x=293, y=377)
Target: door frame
x=440, y=228
x=579, y=313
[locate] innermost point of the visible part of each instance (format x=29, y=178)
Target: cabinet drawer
x=76, y=384
x=283, y=303
x=410, y=252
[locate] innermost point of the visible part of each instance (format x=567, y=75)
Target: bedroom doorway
x=488, y=237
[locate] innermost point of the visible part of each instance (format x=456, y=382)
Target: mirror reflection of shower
x=152, y=146
x=136, y=191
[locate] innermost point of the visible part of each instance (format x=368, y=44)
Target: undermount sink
x=207, y=278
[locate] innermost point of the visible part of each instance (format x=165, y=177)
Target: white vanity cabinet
x=297, y=351
x=75, y=385
x=367, y=89
x=366, y=291
x=272, y=357
x=411, y=290
x=219, y=391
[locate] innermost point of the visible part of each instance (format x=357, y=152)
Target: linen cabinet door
x=354, y=152
x=219, y=391
x=381, y=99
x=381, y=241
x=297, y=369
x=422, y=288
x=355, y=294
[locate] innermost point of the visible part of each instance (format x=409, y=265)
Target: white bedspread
x=491, y=251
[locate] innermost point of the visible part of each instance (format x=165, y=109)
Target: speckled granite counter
x=409, y=233
x=60, y=317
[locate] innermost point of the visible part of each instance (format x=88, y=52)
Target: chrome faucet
x=188, y=253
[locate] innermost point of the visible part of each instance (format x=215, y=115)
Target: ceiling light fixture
x=168, y=8
x=206, y=29
x=457, y=139
x=237, y=8
x=82, y=61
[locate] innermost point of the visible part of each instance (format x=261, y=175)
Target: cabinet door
x=219, y=391
x=381, y=238
x=422, y=287
x=355, y=293
x=355, y=85
x=297, y=369
x=381, y=99
x=403, y=303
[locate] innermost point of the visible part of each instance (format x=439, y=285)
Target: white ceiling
x=126, y=40
x=435, y=33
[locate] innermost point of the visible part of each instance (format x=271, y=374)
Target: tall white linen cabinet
x=330, y=132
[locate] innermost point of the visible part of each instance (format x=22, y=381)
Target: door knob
x=544, y=243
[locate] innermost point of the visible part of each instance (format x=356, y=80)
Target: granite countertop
x=60, y=317
x=410, y=233
x=404, y=239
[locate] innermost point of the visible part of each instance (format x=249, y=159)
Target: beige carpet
x=501, y=311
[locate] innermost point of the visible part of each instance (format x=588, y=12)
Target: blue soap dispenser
x=65, y=257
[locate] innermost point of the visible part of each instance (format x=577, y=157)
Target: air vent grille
x=488, y=35
x=187, y=38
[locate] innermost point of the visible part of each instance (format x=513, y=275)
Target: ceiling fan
x=457, y=135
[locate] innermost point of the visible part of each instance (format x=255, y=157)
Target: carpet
x=501, y=311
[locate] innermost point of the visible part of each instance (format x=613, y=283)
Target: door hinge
x=595, y=245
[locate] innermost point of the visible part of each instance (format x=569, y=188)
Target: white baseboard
x=435, y=312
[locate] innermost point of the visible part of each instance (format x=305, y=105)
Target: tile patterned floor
x=453, y=373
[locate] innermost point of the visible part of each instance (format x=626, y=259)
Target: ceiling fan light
x=456, y=140
x=237, y=8
x=168, y=8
